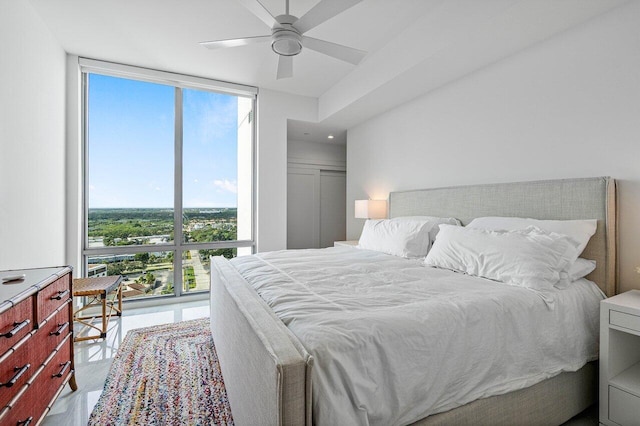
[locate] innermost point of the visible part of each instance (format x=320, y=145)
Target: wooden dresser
x=36, y=343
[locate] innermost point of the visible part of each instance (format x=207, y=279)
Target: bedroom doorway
x=316, y=194
x=316, y=208
x=316, y=205
x=333, y=207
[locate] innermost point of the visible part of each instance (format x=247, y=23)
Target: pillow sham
x=528, y=257
x=579, y=230
x=580, y=269
x=434, y=222
x=403, y=236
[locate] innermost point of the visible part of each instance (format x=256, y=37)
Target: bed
x=268, y=371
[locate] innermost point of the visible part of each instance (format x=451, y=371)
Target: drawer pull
x=60, y=329
x=14, y=379
x=60, y=295
x=64, y=365
x=26, y=422
x=17, y=326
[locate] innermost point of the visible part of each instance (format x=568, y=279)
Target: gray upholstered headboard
x=587, y=198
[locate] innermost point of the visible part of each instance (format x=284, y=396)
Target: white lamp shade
x=371, y=209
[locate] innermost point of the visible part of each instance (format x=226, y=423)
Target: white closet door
x=303, y=208
x=333, y=205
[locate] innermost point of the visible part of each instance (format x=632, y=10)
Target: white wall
x=74, y=169
x=32, y=141
x=566, y=107
x=274, y=108
x=317, y=153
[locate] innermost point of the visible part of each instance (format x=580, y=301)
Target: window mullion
x=85, y=170
x=177, y=203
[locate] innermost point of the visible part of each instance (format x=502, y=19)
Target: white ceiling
x=164, y=34
x=315, y=132
x=414, y=46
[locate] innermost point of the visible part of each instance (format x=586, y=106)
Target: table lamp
x=371, y=209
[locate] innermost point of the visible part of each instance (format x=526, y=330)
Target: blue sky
x=131, y=145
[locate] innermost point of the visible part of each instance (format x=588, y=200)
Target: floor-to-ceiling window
x=168, y=176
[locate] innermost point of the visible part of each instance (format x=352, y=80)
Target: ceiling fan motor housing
x=285, y=39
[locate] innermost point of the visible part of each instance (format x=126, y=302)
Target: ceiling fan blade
x=338, y=51
x=260, y=11
x=234, y=42
x=285, y=67
x=321, y=12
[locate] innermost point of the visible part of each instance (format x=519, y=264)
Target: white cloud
x=227, y=185
x=216, y=115
x=153, y=185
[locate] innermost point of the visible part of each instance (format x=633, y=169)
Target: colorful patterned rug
x=165, y=375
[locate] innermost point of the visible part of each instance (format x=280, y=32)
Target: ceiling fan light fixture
x=287, y=31
x=286, y=42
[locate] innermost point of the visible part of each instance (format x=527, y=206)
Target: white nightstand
x=351, y=243
x=620, y=359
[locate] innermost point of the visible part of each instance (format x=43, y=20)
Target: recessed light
x=330, y=137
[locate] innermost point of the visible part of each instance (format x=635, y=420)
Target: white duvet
x=395, y=341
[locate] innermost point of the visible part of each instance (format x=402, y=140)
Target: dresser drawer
x=55, y=330
x=624, y=408
x=15, y=324
x=53, y=296
x=56, y=370
x=28, y=408
x=16, y=368
x=34, y=401
x=25, y=414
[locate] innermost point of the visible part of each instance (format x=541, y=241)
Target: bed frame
x=267, y=371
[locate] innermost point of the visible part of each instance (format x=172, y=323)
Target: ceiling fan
x=287, y=34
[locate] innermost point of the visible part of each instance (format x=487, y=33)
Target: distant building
x=99, y=270
x=110, y=258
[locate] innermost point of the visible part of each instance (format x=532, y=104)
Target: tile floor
x=93, y=358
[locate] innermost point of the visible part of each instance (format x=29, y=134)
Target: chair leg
x=104, y=317
x=120, y=299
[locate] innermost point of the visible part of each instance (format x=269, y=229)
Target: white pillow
x=404, y=237
x=529, y=257
x=434, y=222
x=580, y=269
x=579, y=230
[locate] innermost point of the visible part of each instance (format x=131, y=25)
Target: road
x=201, y=274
